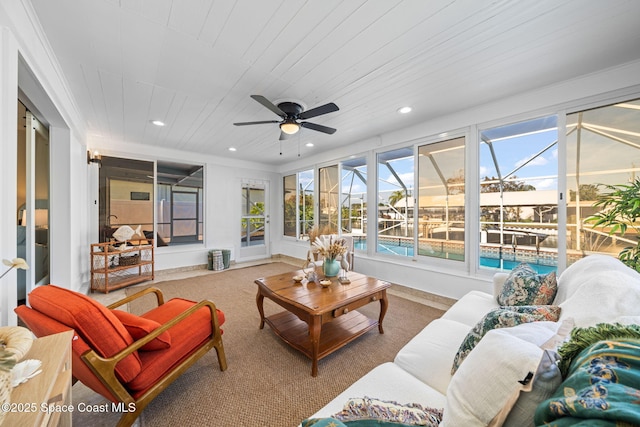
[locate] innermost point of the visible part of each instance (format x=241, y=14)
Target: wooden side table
x=45, y=400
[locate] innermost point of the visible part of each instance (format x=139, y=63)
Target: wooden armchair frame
x=104, y=368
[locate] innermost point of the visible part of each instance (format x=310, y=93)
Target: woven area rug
x=267, y=383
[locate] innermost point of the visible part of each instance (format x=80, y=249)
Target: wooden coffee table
x=319, y=320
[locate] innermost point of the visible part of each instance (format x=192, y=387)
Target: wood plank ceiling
x=194, y=63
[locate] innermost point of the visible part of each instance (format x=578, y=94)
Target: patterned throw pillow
x=549, y=312
x=526, y=287
x=503, y=317
x=385, y=412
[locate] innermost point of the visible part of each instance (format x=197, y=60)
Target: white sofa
x=595, y=289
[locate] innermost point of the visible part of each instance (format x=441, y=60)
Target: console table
x=115, y=265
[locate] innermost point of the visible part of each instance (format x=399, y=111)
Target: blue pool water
x=386, y=248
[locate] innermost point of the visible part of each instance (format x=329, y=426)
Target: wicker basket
x=129, y=260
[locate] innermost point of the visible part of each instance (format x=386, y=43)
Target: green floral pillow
x=526, y=287
x=548, y=312
x=503, y=317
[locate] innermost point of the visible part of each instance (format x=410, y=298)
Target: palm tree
x=396, y=196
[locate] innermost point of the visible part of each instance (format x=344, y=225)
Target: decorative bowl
x=325, y=283
x=297, y=279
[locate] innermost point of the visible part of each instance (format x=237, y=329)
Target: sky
x=531, y=156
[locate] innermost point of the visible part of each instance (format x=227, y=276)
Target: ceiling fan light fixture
x=289, y=127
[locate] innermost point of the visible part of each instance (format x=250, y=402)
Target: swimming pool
x=489, y=262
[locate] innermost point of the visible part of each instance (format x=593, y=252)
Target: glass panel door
x=254, y=221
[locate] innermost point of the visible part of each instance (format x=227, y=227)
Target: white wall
x=29, y=71
x=8, y=181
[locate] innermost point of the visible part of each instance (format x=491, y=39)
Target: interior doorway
x=32, y=216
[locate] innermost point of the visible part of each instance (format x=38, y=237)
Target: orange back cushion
x=139, y=327
x=100, y=328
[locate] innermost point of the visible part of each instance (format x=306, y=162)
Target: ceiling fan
x=291, y=113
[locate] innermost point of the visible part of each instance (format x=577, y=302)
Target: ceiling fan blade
x=266, y=103
x=318, y=111
x=319, y=128
x=256, y=123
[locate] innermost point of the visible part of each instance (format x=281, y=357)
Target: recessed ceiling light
x=404, y=110
x=232, y=149
x=309, y=144
x=157, y=122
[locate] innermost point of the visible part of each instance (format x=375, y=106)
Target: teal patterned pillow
x=503, y=317
x=549, y=312
x=526, y=287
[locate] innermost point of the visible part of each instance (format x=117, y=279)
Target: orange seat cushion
x=99, y=328
x=186, y=337
x=139, y=327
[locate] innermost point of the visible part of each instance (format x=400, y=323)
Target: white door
x=254, y=221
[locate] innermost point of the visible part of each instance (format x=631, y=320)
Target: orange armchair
x=126, y=358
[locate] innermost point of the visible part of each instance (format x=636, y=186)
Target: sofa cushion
x=589, y=267
x=488, y=384
x=502, y=317
x=429, y=354
x=526, y=287
x=186, y=336
x=472, y=307
x=139, y=327
x=603, y=297
x=100, y=328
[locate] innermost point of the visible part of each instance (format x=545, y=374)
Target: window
x=122, y=182
x=395, y=202
x=180, y=205
x=519, y=195
x=298, y=201
x=441, y=190
x=127, y=198
x=603, y=147
x=289, y=199
x=329, y=191
x=354, y=201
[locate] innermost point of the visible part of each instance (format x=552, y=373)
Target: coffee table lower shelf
x=334, y=334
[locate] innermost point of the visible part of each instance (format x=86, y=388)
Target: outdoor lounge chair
x=127, y=359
